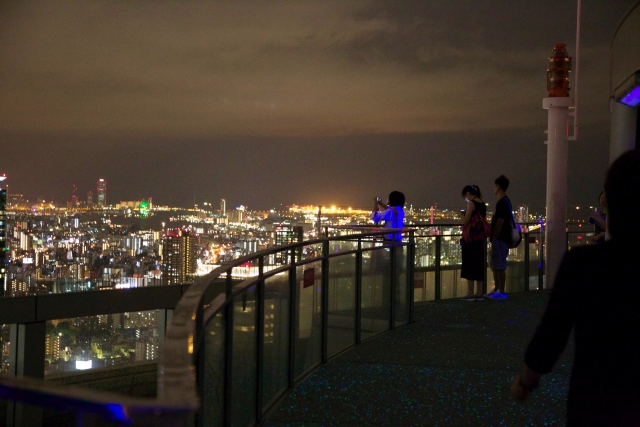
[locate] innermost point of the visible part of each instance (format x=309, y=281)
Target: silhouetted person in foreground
x=605, y=381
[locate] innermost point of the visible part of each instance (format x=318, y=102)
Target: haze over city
x=284, y=102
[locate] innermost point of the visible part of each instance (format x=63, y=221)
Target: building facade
x=179, y=257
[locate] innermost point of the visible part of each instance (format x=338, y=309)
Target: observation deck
x=349, y=329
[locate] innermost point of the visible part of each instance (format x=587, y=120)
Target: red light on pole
x=558, y=71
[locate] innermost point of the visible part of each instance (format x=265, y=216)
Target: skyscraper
x=102, y=193
x=223, y=207
x=178, y=257
x=3, y=237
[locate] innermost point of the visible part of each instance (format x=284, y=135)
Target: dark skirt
x=473, y=260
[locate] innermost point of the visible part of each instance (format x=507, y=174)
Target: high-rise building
x=90, y=199
x=102, y=193
x=223, y=207
x=75, y=202
x=178, y=257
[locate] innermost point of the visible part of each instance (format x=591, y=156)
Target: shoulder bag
x=476, y=229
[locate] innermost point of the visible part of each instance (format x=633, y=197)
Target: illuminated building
x=223, y=207
x=178, y=257
x=144, y=207
x=52, y=346
x=74, y=197
x=102, y=193
x=3, y=236
x=90, y=199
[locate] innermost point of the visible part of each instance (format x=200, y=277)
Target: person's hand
x=596, y=215
x=524, y=383
x=518, y=391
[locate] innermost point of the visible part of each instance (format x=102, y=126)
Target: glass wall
x=103, y=341
x=341, y=312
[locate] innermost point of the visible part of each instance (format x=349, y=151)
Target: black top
x=502, y=212
x=597, y=292
x=480, y=208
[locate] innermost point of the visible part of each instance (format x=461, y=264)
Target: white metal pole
x=557, y=160
x=576, y=70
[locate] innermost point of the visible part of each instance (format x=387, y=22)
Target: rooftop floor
x=452, y=367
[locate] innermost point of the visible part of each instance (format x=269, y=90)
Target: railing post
x=411, y=254
x=394, y=286
x=541, y=256
x=359, y=292
x=325, y=299
x=526, y=260
x=486, y=267
x=437, y=263
x=259, y=339
x=200, y=359
x=293, y=308
x=228, y=351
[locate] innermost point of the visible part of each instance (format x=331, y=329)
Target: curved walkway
x=452, y=367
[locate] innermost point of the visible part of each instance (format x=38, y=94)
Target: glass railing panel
x=535, y=259
x=425, y=251
x=243, y=370
x=402, y=291
x=341, y=304
x=515, y=276
x=452, y=285
x=450, y=251
x=310, y=251
x=276, y=337
x=308, y=348
x=103, y=341
x=338, y=246
x=424, y=285
x=376, y=292
x=580, y=238
x=247, y=270
x=213, y=375
x=277, y=259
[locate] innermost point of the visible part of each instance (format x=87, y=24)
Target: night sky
x=279, y=102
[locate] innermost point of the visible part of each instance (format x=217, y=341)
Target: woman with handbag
x=474, y=234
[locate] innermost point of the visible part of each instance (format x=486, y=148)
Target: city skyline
x=274, y=103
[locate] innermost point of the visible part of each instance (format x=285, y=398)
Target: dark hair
x=396, y=198
x=502, y=182
x=473, y=189
x=622, y=188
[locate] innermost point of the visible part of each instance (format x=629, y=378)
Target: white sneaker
x=498, y=295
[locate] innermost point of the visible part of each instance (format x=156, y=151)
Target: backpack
x=516, y=231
